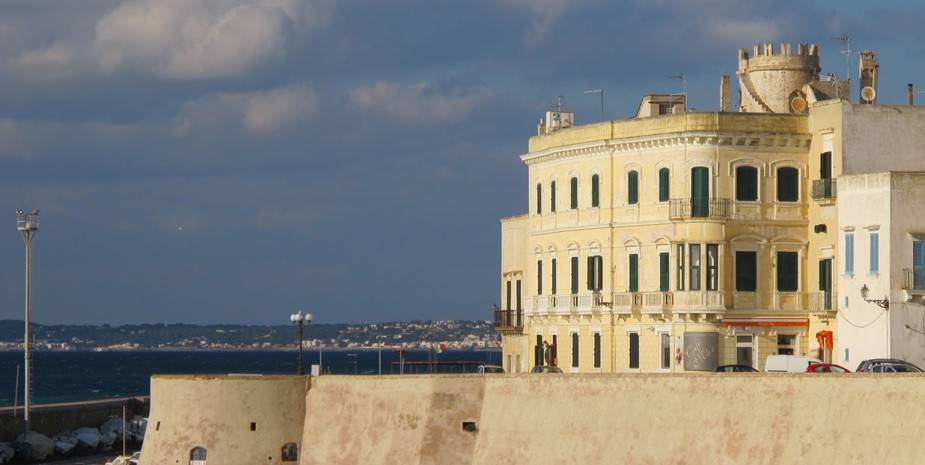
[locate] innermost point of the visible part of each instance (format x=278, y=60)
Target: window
x=595, y=191
x=695, y=267
x=665, y=351
x=747, y=183
x=918, y=265
x=680, y=267
x=634, y=350
x=597, y=350
x=663, y=271
x=197, y=456
x=573, y=190
x=712, y=267
x=664, y=188
x=253, y=426
x=552, y=197
x=700, y=192
x=552, y=271
x=574, y=350
x=508, y=284
x=538, y=351
x=874, y=252
x=787, y=271
x=290, y=451
x=788, y=189
x=745, y=350
x=595, y=273
x=786, y=344
x=539, y=277
x=539, y=199
x=632, y=188
x=574, y=275
x=849, y=253
x=634, y=272
x=825, y=282
x=746, y=271
x=518, y=295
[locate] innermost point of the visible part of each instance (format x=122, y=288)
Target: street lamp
x=883, y=303
x=299, y=320
x=27, y=223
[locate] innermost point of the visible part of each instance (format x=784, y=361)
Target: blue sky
x=214, y=161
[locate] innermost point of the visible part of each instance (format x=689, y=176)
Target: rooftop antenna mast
x=683, y=79
x=847, y=53
x=598, y=91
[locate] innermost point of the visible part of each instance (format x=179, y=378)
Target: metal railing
x=823, y=302
x=508, y=320
x=824, y=189
x=696, y=207
x=914, y=279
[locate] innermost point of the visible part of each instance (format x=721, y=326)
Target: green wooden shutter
x=574, y=350
x=573, y=186
x=553, y=276
x=539, y=199
x=745, y=271
x=700, y=192
x=595, y=191
x=552, y=197
x=574, y=275
x=600, y=273
x=634, y=350
x=590, y=273
x=663, y=184
x=663, y=271
x=597, y=350
x=539, y=277
x=787, y=269
x=632, y=188
x=788, y=189
x=746, y=183
x=634, y=273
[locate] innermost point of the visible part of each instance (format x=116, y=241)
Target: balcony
x=509, y=320
x=824, y=189
x=626, y=302
x=823, y=302
x=657, y=302
x=693, y=208
x=914, y=280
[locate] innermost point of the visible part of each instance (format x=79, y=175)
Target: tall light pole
x=299, y=320
x=27, y=223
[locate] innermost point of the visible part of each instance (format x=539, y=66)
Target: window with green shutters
x=746, y=271
x=552, y=272
x=788, y=184
x=539, y=277
x=552, y=197
x=680, y=272
x=595, y=191
x=632, y=188
x=573, y=190
x=634, y=350
x=825, y=282
x=519, y=307
x=787, y=271
x=574, y=275
x=700, y=193
x=663, y=271
x=634, y=273
x=539, y=199
x=595, y=273
x=597, y=350
x=874, y=252
x=538, y=351
x=664, y=189
x=574, y=350
x=747, y=183
x=509, y=294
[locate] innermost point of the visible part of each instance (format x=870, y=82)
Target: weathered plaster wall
x=215, y=412
x=883, y=138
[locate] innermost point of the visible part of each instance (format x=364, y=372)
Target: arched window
x=595, y=191
x=573, y=188
x=788, y=189
x=552, y=197
x=747, y=183
x=197, y=456
x=632, y=187
x=663, y=184
x=290, y=452
x=539, y=199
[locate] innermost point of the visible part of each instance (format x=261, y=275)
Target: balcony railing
x=509, y=320
x=823, y=302
x=681, y=209
x=914, y=279
x=824, y=189
x=657, y=301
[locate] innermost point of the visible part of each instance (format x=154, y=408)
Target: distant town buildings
x=681, y=240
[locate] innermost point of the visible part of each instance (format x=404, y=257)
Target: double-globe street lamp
x=27, y=223
x=298, y=319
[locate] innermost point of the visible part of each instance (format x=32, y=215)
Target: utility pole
x=27, y=223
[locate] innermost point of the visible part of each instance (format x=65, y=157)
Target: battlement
x=784, y=50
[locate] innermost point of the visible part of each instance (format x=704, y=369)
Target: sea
x=87, y=375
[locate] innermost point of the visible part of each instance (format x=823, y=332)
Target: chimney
x=724, y=93
x=909, y=94
x=869, y=71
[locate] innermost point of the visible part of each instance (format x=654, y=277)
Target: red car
x=826, y=368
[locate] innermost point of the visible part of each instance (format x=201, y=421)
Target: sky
x=234, y=161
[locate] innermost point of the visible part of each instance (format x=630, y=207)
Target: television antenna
x=598, y=91
x=844, y=38
x=683, y=80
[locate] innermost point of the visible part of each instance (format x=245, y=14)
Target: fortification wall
x=216, y=412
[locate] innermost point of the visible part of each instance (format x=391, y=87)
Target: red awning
x=826, y=339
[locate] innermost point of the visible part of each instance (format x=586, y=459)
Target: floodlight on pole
x=27, y=223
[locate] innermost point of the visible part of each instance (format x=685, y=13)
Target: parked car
x=487, y=369
x=887, y=365
x=545, y=369
x=826, y=368
x=735, y=369
x=788, y=363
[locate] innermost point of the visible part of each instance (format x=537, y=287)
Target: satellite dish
x=798, y=104
x=868, y=94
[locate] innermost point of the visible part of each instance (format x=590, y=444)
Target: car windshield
x=835, y=369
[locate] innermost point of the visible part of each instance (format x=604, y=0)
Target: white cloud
x=420, y=102
x=182, y=39
x=543, y=13
x=259, y=112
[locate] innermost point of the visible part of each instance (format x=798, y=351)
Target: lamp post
x=883, y=303
x=300, y=320
x=379, y=346
x=27, y=223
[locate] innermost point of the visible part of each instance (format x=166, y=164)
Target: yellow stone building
x=682, y=240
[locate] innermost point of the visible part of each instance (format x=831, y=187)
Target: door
x=825, y=173
x=825, y=282
x=744, y=350
x=700, y=192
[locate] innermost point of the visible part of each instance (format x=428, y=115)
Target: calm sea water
x=73, y=376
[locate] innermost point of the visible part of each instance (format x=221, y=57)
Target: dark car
x=546, y=369
x=735, y=369
x=887, y=365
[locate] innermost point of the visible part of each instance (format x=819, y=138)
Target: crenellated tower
x=773, y=83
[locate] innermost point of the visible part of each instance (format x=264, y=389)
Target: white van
x=788, y=363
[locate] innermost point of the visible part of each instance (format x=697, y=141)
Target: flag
x=439, y=348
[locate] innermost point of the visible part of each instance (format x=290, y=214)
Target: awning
x=765, y=322
x=826, y=339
